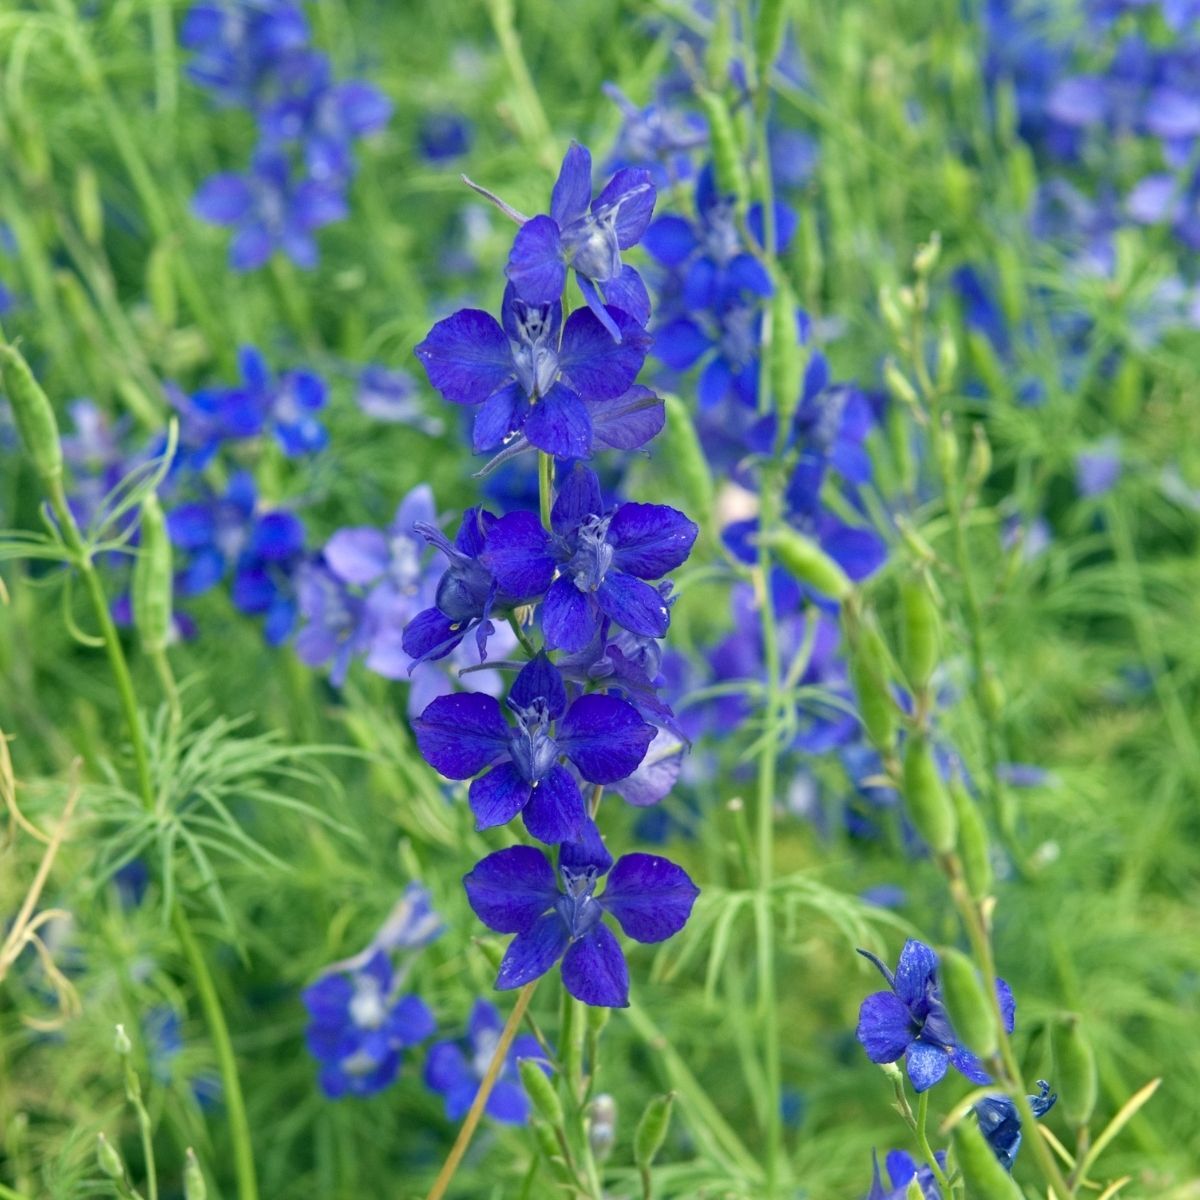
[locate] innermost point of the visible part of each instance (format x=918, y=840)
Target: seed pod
x=602, y=1125
x=979, y=461
x=985, y=1178
x=160, y=285
x=893, y=316
x=552, y=1152
x=719, y=51
x=1075, y=1067
x=684, y=457
x=945, y=446
x=727, y=157
x=652, y=1130
x=121, y=1042
x=921, y=630
x=973, y=846
x=597, y=1019
x=914, y=1191
x=108, y=1158
x=899, y=385
x=89, y=209
x=927, y=255
x=929, y=806
x=993, y=694
x=768, y=34
x=868, y=661
x=786, y=356
x=32, y=412
x=153, y=581
x=802, y=558
x=540, y=1091
x=966, y=1003
x=947, y=358
x=194, y=1187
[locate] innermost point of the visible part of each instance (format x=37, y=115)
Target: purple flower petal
x=250, y=247
x=223, y=199
x=586, y=852
x=630, y=195
x=1153, y=199
x=467, y=356
x=573, y=187
x=680, y=343
x=595, y=302
x=501, y=414
x=555, y=812
x=508, y=1103
x=498, y=796
x=594, y=970
x=670, y=240
x=559, y=424
x=884, y=1027
x=459, y=735
x=628, y=422
x=539, y=679
x=604, y=737
x=633, y=605
x=431, y=635
x=1078, y=101
x=535, y=263
x=650, y=897
x=578, y=497
x=511, y=888
x=1008, y=1004
x=517, y=552
x=568, y=620
x=915, y=968
x=533, y=952
x=927, y=1065
x=628, y=293
x=358, y=555
x=598, y=367
x=650, y=539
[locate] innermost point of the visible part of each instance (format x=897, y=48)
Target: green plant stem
x=7, y=1193
x=239, y=1128
x=545, y=486
x=530, y=116
x=499, y=1055
x=923, y=1141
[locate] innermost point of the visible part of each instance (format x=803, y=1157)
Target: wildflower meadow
x=599, y=599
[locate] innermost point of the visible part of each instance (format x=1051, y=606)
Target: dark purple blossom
x=286, y=404
x=466, y=734
x=910, y=1022
x=593, y=563
x=559, y=915
x=1000, y=1122
x=587, y=235
x=902, y=1170
x=454, y=1069
x=529, y=372
x=264, y=576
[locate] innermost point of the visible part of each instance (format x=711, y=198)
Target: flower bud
x=929, y=806
x=652, y=1130
x=914, y=1191
x=153, y=581
x=194, y=1187
x=893, y=317
x=921, y=630
x=985, y=1178
x=927, y=254
x=32, y=412
x=684, y=457
x=768, y=34
x=89, y=209
x=802, y=558
x=540, y=1091
x=966, y=1002
x=602, y=1125
x=973, y=846
x=899, y=385
x=1075, y=1070
x=108, y=1158
x=727, y=158
x=124, y=1046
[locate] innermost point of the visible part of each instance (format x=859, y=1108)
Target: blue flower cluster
x=582, y=585
x=257, y=55
x=909, y=1021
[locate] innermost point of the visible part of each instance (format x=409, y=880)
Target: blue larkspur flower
x=910, y=1021
x=902, y=1170
x=1000, y=1122
x=593, y=563
x=517, y=767
x=558, y=914
x=454, y=1069
x=587, y=235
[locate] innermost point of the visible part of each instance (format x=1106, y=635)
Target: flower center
x=535, y=356
x=367, y=1007
x=592, y=246
x=531, y=745
x=593, y=554
x=578, y=908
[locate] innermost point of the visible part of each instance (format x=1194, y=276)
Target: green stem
x=545, y=486
x=923, y=1141
x=530, y=115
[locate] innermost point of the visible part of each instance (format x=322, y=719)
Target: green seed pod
x=802, y=558
x=153, y=580
x=972, y=841
x=1075, y=1068
x=921, y=641
x=727, y=156
x=966, y=1002
x=985, y=1178
x=552, y=1152
x=1022, y=171
x=929, y=806
x=684, y=458
x=893, y=316
x=945, y=446
x=1127, y=390
x=868, y=660
x=122, y=1044
x=927, y=255
x=979, y=460
x=914, y=1191
x=160, y=285
x=194, y=1187
x=108, y=1158
x=786, y=356
x=652, y=1130
x=597, y=1019
x=947, y=358
x=540, y=1091
x=986, y=364
x=993, y=694
x=899, y=385
x=32, y=412
x=768, y=34
x=719, y=52
x=89, y=209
